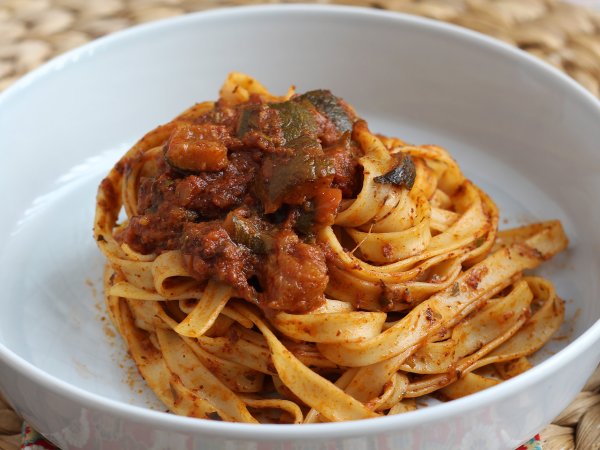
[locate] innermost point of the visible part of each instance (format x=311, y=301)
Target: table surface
x=567, y=35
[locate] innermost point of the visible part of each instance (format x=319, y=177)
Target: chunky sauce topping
x=242, y=191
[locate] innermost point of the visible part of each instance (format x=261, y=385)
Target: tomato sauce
x=242, y=192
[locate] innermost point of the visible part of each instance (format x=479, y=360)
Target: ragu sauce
x=242, y=192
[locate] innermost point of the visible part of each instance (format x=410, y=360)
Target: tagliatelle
x=280, y=263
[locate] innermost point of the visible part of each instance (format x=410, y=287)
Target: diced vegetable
x=327, y=202
x=248, y=120
x=306, y=144
x=305, y=223
x=329, y=105
x=290, y=173
x=321, y=210
x=249, y=232
x=188, y=151
x=401, y=175
x=297, y=119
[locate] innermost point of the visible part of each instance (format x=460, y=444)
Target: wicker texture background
x=565, y=35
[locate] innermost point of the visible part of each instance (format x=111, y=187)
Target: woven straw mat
x=565, y=35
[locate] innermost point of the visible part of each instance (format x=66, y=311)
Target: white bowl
x=525, y=132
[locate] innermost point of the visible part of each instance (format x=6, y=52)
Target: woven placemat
x=565, y=35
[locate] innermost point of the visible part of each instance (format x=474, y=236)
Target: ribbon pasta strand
x=281, y=263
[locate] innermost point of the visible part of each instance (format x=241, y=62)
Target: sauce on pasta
x=281, y=263
x=242, y=190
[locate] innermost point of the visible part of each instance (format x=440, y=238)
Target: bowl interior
x=516, y=130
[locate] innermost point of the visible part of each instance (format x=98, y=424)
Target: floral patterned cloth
x=32, y=440
x=533, y=444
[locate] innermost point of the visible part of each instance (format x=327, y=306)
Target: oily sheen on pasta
x=281, y=263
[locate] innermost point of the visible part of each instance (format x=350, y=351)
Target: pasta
x=281, y=263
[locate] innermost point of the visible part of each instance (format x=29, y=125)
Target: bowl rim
x=308, y=432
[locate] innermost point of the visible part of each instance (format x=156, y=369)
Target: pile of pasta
x=432, y=299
